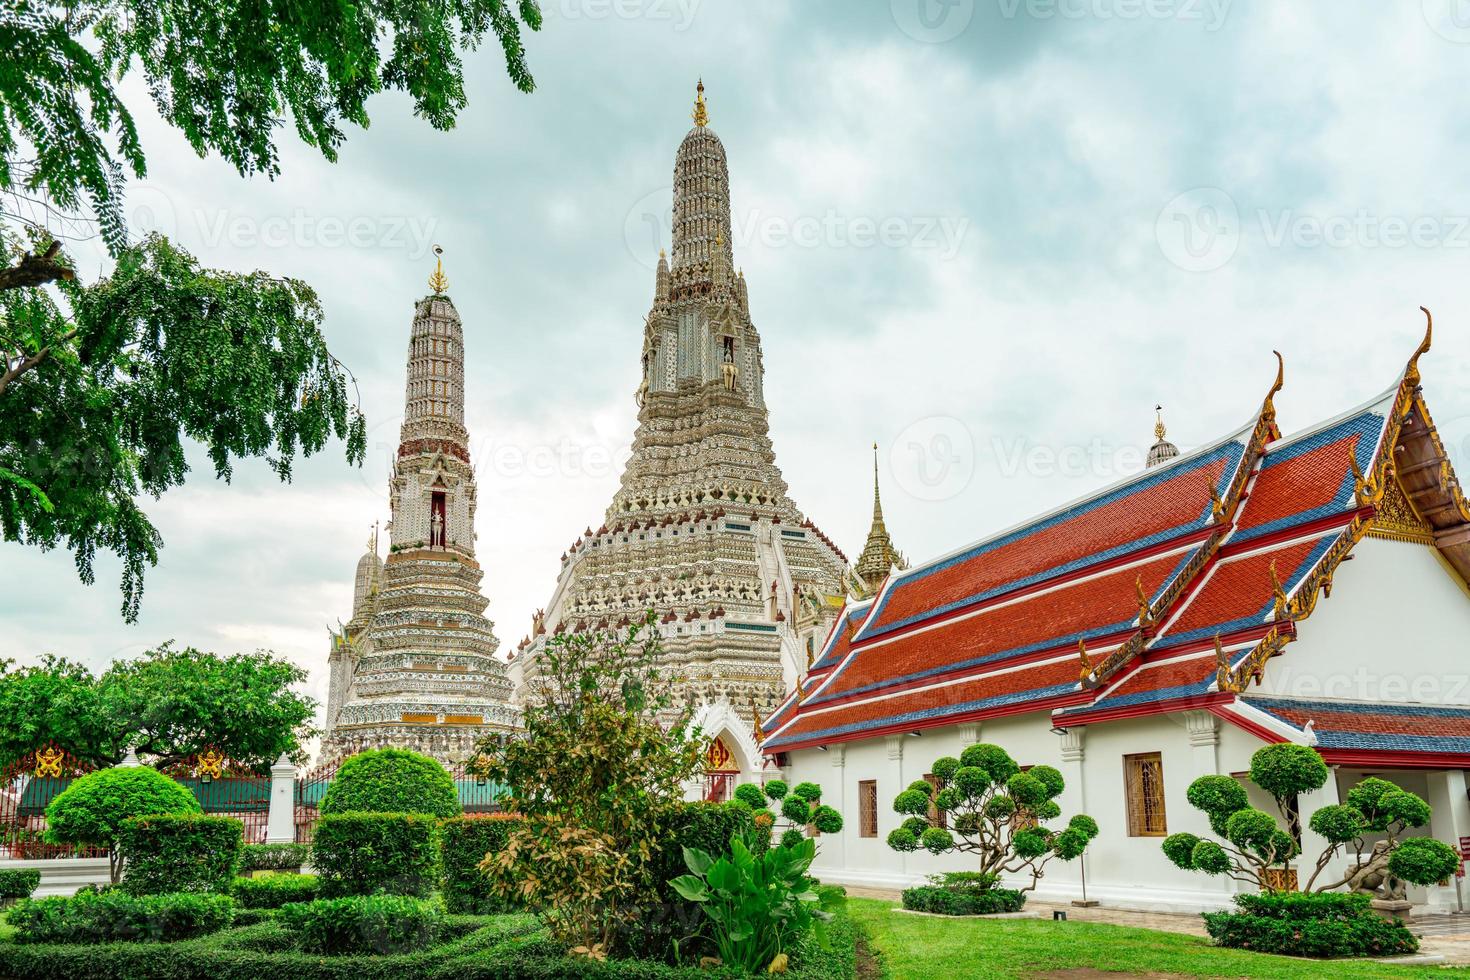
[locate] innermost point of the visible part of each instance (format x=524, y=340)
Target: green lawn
x=922, y=948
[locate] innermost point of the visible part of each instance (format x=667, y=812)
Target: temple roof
x=1168, y=590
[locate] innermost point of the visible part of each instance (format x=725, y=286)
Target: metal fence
x=27, y=787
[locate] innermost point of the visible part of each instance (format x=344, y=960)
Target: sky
x=990, y=235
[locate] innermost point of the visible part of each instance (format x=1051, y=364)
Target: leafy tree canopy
x=168, y=705
x=227, y=74
x=100, y=383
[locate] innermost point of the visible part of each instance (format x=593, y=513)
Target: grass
x=922, y=948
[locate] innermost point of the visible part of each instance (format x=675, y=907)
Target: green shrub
x=382, y=924
x=91, y=810
x=113, y=916
x=274, y=857
x=179, y=852
x=271, y=891
x=963, y=893
x=464, y=843
x=391, y=781
x=707, y=827
x=1320, y=924
x=1423, y=860
x=267, y=950
x=751, y=795
x=18, y=882
x=364, y=853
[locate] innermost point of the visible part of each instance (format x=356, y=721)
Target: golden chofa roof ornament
x=701, y=111
x=437, y=282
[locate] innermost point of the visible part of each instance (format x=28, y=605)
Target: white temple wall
x=1122, y=871
x=1395, y=629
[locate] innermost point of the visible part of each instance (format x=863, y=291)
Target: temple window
x=937, y=817
x=1143, y=781
x=868, y=808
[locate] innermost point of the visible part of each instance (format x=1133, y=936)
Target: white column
x=888, y=788
x=1314, y=844
x=1204, y=743
x=1449, y=822
x=834, y=794
x=1074, y=797
x=280, y=826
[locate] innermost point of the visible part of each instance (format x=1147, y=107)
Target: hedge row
x=962, y=901
x=464, y=842
x=271, y=891
x=179, y=852
x=18, y=882
x=259, y=951
x=380, y=924
x=104, y=917
x=363, y=853
x=274, y=857
x=1324, y=925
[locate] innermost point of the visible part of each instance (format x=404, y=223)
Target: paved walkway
x=1439, y=935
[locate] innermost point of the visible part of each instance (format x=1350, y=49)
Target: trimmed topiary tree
x=392, y=781
x=364, y=853
x=92, y=809
x=800, y=805
x=1258, y=851
x=992, y=810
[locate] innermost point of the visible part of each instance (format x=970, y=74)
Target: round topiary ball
x=903, y=839
x=996, y=761
x=827, y=820
x=1084, y=825
x=1338, y=823
x=1210, y=858
x=792, y=837
x=1051, y=778
x=937, y=840
x=776, y=789
x=1423, y=860
x=391, y=781
x=1031, y=842
x=945, y=767
x=1026, y=790
x=795, y=809
x=810, y=792
x=750, y=795
x=1179, y=849
x=1404, y=807
x=91, y=810
x=1286, y=769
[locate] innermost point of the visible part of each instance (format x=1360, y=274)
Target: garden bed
x=499, y=947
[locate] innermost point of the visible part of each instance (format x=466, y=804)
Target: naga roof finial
x=1411, y=374
x=437, y=282
x=701, y=111
x=1268, y=408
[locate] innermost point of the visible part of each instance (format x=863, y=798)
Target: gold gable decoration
x=718, y=757
x=1397, y=520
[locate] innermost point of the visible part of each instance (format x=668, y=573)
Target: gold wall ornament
x=437, y=282
x=48, y=762
x=1395, y=518
x=211, y=764
x=1411, y=373
x=701, y=110
x=718, y=757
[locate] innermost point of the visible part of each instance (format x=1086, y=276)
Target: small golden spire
x=1159, y=430
x=437, y=282
x=701, y=111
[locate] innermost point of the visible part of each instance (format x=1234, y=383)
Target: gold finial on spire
x=1159, y=430
x=1411, y=375
x=701, y=111
x=437, y=282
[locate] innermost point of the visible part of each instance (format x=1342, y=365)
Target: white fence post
x=281, y=821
